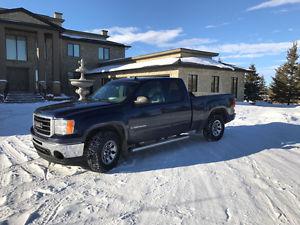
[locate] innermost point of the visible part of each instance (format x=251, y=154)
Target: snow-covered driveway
x=251, y=176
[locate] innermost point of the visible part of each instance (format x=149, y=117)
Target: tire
x=102, y=151
x=214, y=129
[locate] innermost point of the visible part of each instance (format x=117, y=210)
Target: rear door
x=177, y=107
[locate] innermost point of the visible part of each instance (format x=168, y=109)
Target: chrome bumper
x=67, y=150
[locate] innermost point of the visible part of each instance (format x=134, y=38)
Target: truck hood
x=66, y=109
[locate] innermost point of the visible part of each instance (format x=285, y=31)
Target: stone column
x=56, y=64
x=41, y=55
x=3, y=76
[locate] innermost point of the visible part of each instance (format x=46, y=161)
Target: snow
x=205, y=61
x=83, y=37
x=251, y=176
x=135, y=65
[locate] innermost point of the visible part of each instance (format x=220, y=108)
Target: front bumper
x=66, y=153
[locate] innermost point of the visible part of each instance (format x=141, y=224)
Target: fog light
x=58, y=155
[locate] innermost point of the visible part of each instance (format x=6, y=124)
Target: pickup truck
x=126, y=115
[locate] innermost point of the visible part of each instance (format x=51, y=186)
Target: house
x=201, y=73
x=38, y=54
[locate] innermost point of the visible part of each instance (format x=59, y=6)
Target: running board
x=170, y=140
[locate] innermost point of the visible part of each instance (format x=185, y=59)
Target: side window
x=103, y=53
x=73, y=50
x=173, y=92
x=234, y=86
x=193, y=83
x=153, y=90
x=215, y=84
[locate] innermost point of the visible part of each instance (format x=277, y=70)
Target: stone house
x=200, y=72
x=37, y=53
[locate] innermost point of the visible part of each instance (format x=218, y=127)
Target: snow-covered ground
x=251, y=176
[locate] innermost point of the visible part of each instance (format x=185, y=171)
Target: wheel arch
x=219, y=111
x=118, y=128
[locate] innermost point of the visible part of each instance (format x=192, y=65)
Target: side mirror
x=141, y=100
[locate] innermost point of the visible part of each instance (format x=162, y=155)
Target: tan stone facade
x=205, y=80
x=47, y=64
x=204, y=73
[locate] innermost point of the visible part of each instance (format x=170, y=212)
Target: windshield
x=114, y=92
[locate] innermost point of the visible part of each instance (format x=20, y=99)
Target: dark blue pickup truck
x=126, y=115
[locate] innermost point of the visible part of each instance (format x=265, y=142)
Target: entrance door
x=18, y=79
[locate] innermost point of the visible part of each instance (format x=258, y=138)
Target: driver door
x=147, y=121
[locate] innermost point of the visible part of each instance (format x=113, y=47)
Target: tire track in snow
x=280, y=192
x=22, y=147
x=16, y=157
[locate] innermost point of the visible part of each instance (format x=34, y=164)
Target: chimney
x=58, y=18
x=104, y=33
x=58, y=15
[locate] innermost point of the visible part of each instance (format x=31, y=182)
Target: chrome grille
x=42, y=125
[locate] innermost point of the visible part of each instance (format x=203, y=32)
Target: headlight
x=63, y=127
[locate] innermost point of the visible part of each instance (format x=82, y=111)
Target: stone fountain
x=82, y=84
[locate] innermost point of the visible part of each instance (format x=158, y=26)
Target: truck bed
x=203, y=105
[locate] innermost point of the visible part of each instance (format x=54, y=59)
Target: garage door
x=18, y=79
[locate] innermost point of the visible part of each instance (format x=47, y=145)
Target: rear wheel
x=214, y=129
x=103, y=151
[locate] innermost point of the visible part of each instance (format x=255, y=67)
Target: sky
x=243, y=32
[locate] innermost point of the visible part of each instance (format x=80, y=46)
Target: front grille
x=42, y=125
x=41, y=149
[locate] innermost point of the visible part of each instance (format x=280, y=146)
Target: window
x=115, y=92
x=234, y=86
x=192, y=83
x=16, y=48
x=215, y=84
x=153, y=90
x=73, y=50
x=174, y=92
x=104, y=53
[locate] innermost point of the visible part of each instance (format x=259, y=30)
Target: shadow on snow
x=238, y=141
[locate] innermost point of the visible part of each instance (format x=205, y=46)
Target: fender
x=117, y=125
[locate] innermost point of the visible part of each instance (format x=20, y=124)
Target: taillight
x=232, y=103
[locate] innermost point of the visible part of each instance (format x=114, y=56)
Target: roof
x=177, y=51
x=204, y=62
x=140, y=78
x=89, y=37
x=42, y=18
x=66, y=33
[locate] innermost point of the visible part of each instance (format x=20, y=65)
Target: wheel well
x=222, y=112
x=115, y=128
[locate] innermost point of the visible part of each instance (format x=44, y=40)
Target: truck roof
x=145, y=78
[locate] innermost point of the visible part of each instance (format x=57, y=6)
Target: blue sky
x=243, y=32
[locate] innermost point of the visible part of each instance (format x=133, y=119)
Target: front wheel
x=214, y=129
x=102, y=151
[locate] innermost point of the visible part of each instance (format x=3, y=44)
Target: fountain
x=82, y=84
